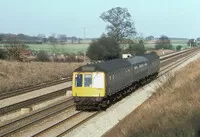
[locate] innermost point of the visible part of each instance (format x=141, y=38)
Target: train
x=97, y=85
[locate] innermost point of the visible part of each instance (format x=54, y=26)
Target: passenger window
x=136, y=67
x=78, y=80
x=110, y=77
x=88, y=80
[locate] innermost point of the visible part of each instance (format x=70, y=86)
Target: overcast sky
x=174, y=18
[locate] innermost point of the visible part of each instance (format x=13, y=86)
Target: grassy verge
x=15, y=75
x=173, y=111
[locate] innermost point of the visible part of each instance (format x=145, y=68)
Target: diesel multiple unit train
x=96, y=85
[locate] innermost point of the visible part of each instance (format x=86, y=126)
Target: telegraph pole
x=84, y=49
x=84, y=56
x=84, y=33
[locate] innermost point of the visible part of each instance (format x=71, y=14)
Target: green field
x=81, y=47
x=69, y=48
x=151, y=46
x=74, y=48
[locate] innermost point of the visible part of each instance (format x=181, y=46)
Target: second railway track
x=29, y=102
x=24, y=90
x=10, y=127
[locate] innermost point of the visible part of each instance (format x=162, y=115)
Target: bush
x=16, y=50
x=136, y=48
x=163, y=43
x=178, y=47
x=105, y=48
x=43, y=56
x=3, y=54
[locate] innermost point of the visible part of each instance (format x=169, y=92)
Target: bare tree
x=62, y=38
x=16, y=50
x=52, y=39
x=149, y=37
x=73, y=39
x=42, y=38
x=1, y=37
x=163, y=43
x=120, y=25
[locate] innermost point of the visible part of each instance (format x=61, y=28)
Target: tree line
x=39, y=39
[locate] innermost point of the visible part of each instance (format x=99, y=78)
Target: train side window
x=78, y=80
x=110, y=77
x=136, y=67
x=88, y=80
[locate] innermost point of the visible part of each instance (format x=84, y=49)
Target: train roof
x=151, y=56
x=137, y=59
x=115, y=64
x=106, y=66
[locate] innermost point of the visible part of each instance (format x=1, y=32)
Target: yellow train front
x=88, y=87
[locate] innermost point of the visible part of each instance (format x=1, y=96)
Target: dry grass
x=173, y=111
x=15, y=75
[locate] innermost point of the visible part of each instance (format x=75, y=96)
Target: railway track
x=15, y=126
x=10, y=127
x=178, y=62
x=71, y=123
x=27, y=103
x=168, y=60
x=9, y=94
x=166, y=66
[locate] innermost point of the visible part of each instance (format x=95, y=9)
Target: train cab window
x=78, y=80
x=88, y=80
